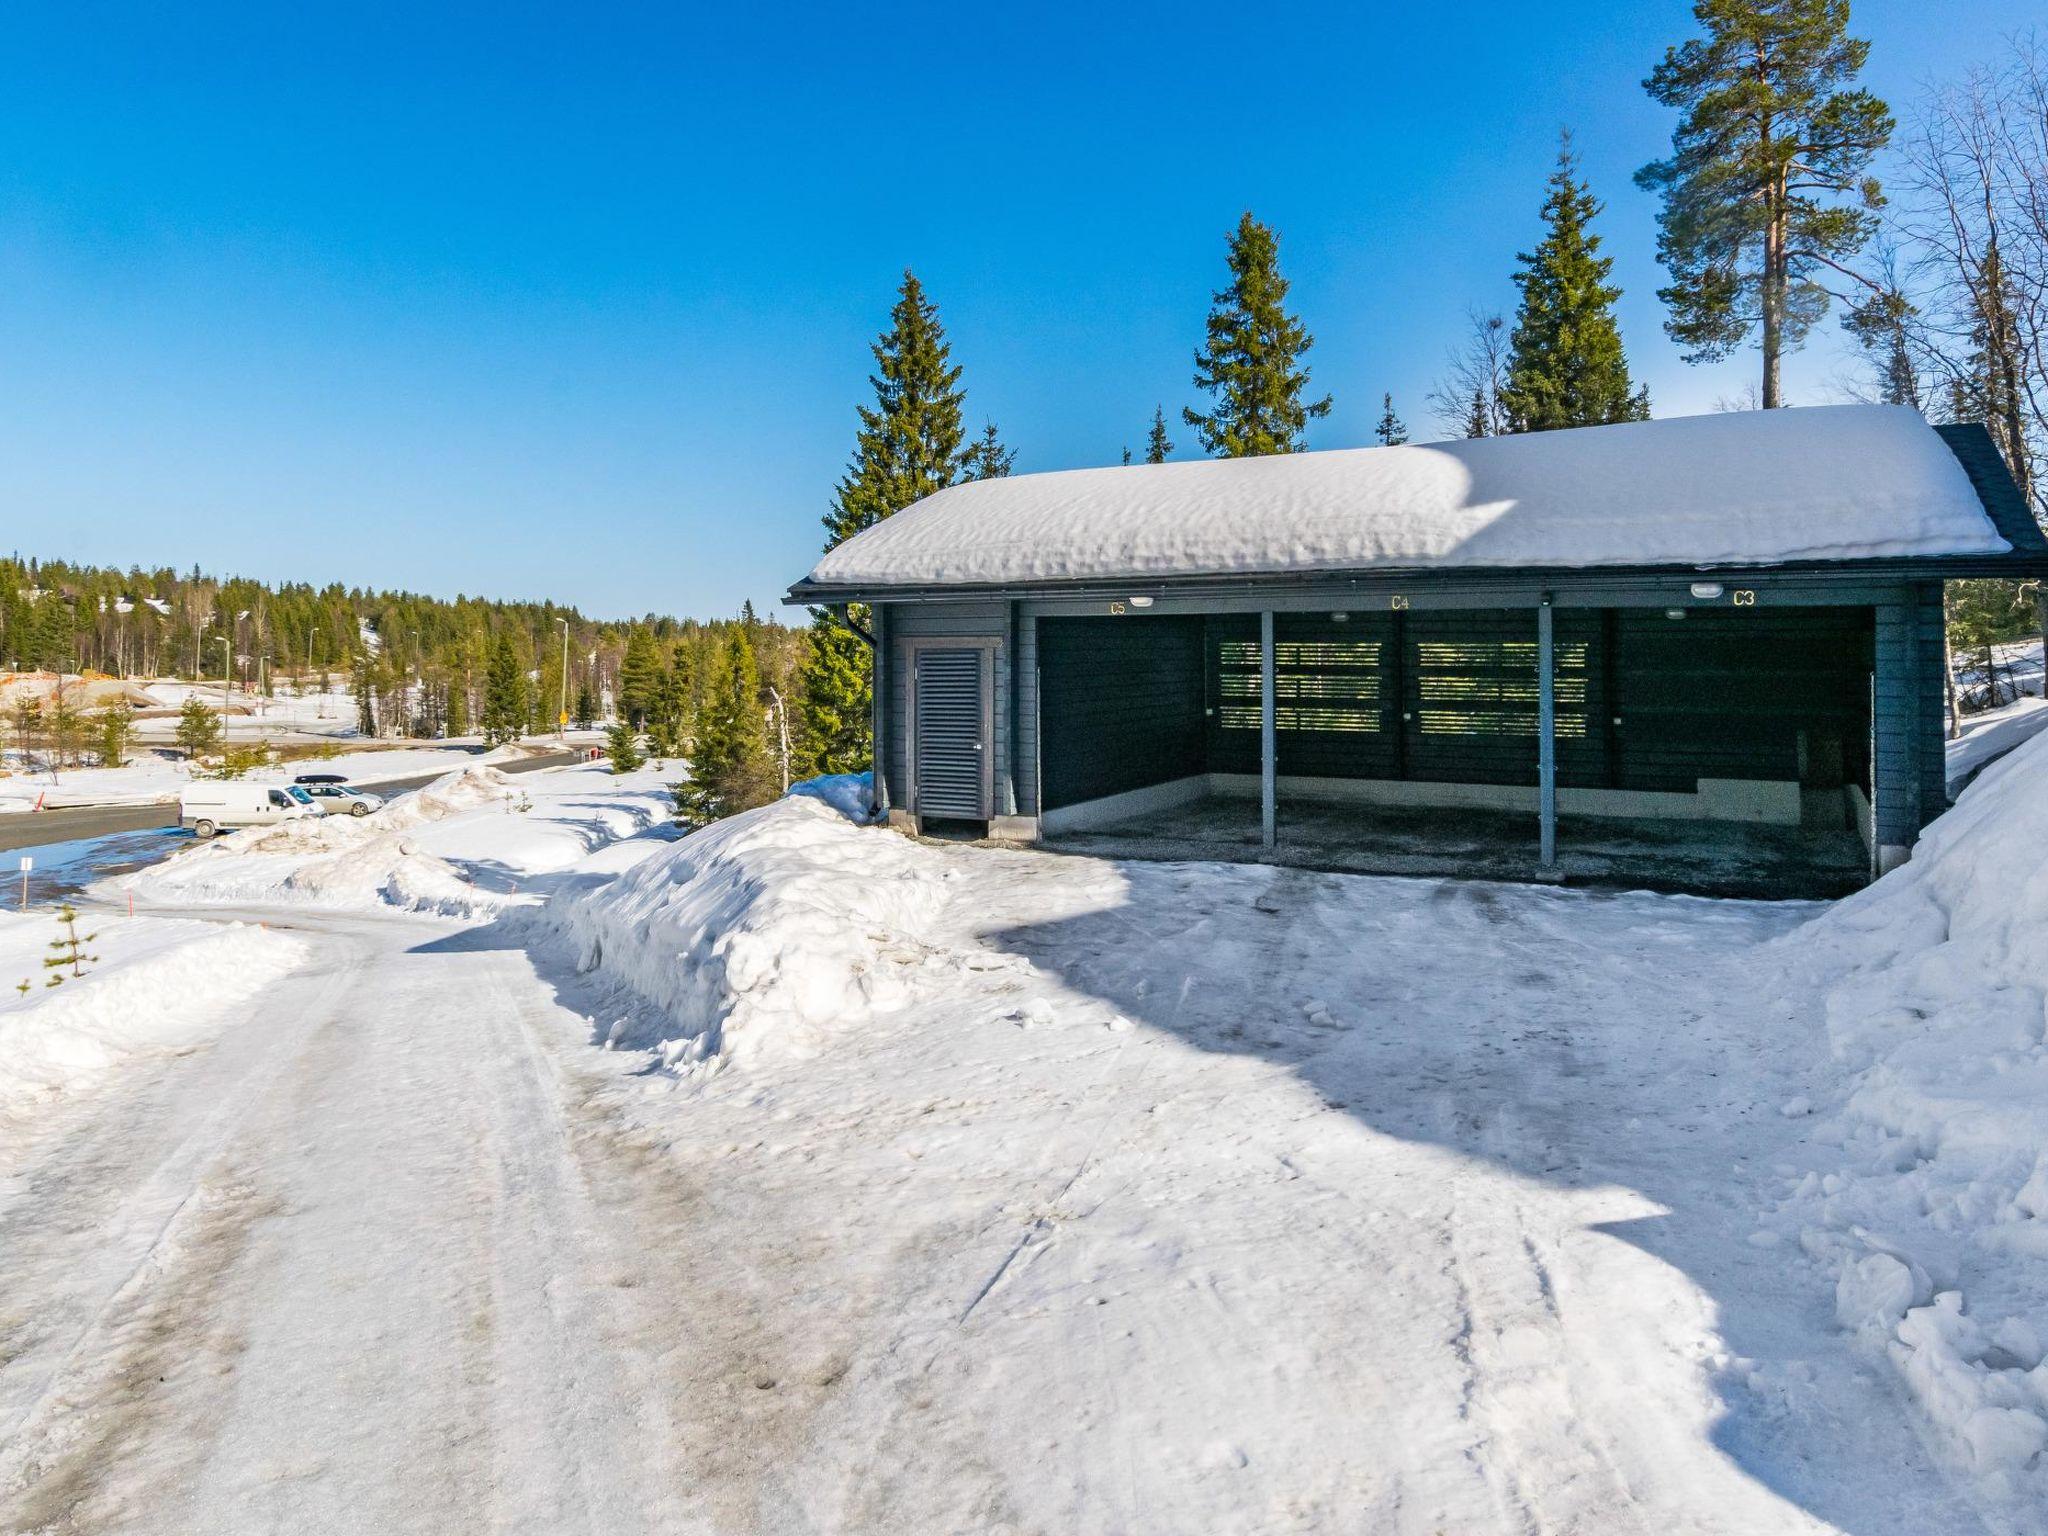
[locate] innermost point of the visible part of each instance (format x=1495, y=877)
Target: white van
x=211, y=805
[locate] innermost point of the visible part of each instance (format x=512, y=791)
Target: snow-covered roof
x=1825, y=483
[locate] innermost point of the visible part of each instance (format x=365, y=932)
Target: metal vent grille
x=951, y=760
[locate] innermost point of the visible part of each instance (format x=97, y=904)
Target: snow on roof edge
x=1819, y=484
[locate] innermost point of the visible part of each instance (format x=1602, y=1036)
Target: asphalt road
x=33, y=829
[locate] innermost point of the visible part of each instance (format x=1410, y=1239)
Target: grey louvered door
x=953, y=730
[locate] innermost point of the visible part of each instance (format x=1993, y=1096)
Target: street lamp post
x=227, y=676
x=562, y=719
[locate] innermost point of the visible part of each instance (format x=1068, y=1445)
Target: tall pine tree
x=1252, y=363
x=1767, y=193
x=908, y=446
x=1565, y=361
x=1157, y=446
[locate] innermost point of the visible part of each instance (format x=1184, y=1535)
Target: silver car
x=340, y=799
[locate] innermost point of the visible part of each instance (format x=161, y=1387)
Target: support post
x=1269, y=788
x=878, y=704
x=1546, y=730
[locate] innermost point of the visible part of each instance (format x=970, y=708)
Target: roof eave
x=2013, y=565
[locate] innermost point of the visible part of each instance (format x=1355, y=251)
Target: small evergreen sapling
x=67, y=952
x=1391, y=429
x=1157, y=444
x=198, y=728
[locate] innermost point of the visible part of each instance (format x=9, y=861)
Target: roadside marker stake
x=27, y=864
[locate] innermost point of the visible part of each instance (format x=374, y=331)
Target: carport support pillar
x=1546, y=731
x=1269, y=791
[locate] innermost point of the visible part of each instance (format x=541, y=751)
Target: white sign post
x=27, y=864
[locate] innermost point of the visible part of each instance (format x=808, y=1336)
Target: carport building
x=1704, y=653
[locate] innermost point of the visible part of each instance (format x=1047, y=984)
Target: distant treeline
x=419, y=666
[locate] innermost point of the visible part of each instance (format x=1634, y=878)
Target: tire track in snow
x=112, y=1193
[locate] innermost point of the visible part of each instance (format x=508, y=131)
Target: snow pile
x=764, y=933
x=1737, y=488
x=1931, y=1198
x=468, y=845
x=850, y=794
x=159, y=986
x=343, y=861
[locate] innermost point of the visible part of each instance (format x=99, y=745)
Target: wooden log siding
x=1122, y=704
x=1741, y=693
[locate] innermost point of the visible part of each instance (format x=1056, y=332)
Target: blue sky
x=575, y=301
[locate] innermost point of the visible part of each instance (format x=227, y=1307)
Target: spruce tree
x=504, y=693
x=1391, y=429
x=586, y=706
x=1478, y=420
x=729, y=767
x=1157, y=447
x=199, y=728
x=639, y=675
x=1565, y=362
x=1252, y=362
x=115, y=725
x=362, y=688
x=986, y=457
x=622, y=746
x=908, y=445
x=1767, y=192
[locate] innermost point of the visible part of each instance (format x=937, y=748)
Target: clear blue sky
x=575, y=301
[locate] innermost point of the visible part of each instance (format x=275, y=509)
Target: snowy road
x=342, y=1272
x=1186, y=1199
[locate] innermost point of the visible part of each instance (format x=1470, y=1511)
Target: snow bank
x=468, y=845
x=1931, y=1194
x=342, y=861
x=161, y=985
x=1737, y=488
x=763, y=933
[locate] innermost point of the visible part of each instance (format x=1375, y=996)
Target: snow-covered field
x=794, y=1176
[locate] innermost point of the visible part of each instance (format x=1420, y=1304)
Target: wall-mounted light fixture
x=1674, y=613
x=1141, y=602
x=1339, y=618
x=1706, y=589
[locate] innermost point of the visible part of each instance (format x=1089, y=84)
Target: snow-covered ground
x=1991, y=734
x=157, y=985
x=793, y=1176
x=149, y=778
x=2018, y=664
x=461, y=846
x=1170, y=1197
